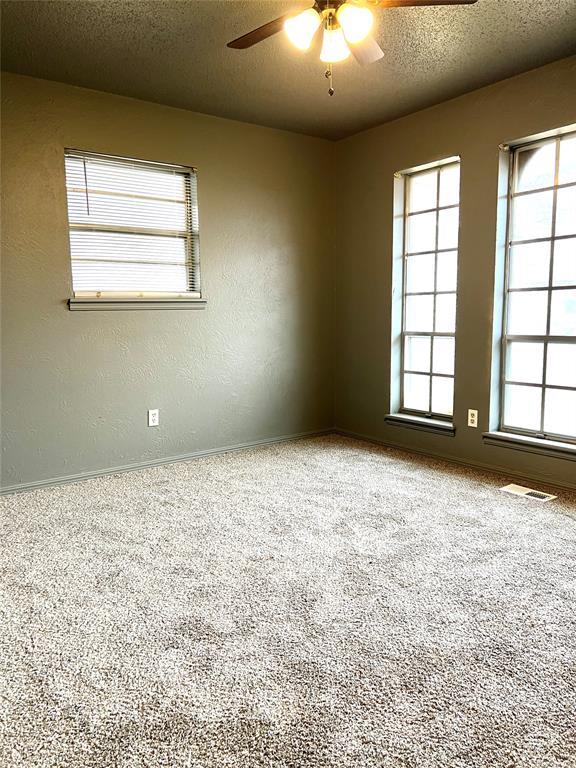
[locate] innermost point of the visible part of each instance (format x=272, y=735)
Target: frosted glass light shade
x=334, y=47
x=356, y=22
x=302, y=28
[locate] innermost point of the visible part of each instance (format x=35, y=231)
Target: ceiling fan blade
x=422, y=3
x=259, y=34
x=366, y=52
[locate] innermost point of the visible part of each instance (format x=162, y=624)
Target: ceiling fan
x=345, y=27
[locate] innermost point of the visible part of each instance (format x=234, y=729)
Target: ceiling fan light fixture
x=334, y=46
x=356, y=22
x=301, y=29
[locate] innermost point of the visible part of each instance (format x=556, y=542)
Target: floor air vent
x=520, y=490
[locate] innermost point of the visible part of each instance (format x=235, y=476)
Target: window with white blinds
x=133, y=227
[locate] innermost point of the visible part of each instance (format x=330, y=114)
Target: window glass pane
x=563, y=313
x=445, y=313
x=110, y=174
x=420, y=273
x=527, y=312
x=564, y=262
x=419, y=313
x=107, y=276
x=535, y=167
x=567, y=171
x=446, y=270
x=532, y=216
x=417, y=353
x=421, y=232
x=450, y=184
x=522, y=406
x=561, y=365
x=430, y=278
x=416, y=392
x=112, y=246
x=560, y=412
x=443, y=356
x=551, y=311
x=529, y=265
x=566, y=211
x=107, y=175
x=442, y=395
x=448, y=228
x=126, y=211
x=524, y=362
x=422, y=190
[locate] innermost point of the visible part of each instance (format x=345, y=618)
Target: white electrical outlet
x=472, y=418
x=153, y=417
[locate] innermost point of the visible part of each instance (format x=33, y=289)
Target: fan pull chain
x=328, y=76
x=328, y=73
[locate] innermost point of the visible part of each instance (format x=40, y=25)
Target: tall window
x=430, y=258
x=539, y=339
x=133, y=227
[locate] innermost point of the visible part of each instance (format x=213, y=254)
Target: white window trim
x=505, y=433
x=400, y=416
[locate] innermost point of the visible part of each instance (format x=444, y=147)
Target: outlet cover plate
x=472, y=418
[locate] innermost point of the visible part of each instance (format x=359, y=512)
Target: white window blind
x=133, y=227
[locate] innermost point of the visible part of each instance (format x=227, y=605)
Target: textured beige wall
x=255, y=364
x=471, y=126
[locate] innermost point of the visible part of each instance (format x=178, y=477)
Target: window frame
x=545, y=339
x=138, y=299
x=406, y=175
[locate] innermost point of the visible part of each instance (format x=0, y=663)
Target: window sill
x=84, y=304
x=421, y=422
x=531, y=444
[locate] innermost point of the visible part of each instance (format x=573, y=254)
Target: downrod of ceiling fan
x=325, y=5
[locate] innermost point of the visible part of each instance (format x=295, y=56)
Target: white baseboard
x=21, y=487
x=535, y=477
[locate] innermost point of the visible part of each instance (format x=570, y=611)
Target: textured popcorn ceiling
x=174, y=52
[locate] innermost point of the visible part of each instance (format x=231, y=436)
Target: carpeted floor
x=314, y=604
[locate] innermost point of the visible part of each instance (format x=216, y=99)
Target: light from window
x=133, y=227
x=539, y=340
x=431, y=219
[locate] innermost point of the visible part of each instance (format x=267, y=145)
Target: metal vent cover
x=520, y=490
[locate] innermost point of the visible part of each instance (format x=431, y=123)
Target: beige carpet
x=322, y=603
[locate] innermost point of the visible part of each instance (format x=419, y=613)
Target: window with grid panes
x=539, y=335
x=430, y=259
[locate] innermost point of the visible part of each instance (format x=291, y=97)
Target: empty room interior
x=288, y=390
